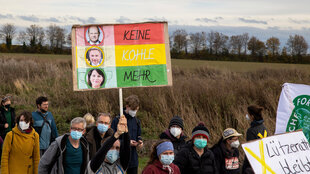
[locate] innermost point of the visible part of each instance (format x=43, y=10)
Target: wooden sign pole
x=121, y=101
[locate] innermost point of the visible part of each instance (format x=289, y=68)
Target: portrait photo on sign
x=94, y=35
x=95, y=78
x=94, y=56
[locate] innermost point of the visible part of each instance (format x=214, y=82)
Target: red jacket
x=158, y=168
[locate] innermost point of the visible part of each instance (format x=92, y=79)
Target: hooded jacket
x=53, y=159
x=94, y=140
x=21, y=152
x=189, y=162
x=3, y=121
x=252, y=134
x=158, y=168
x=177, y=143
x=227, y=161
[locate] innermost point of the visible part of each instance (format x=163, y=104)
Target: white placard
x=287, y=153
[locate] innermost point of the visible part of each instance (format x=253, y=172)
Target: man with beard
x=44, y=124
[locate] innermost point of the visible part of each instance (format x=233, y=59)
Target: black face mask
x=7, y=106
x=43, y=111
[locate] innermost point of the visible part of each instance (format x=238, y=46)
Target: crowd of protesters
x=102, y=145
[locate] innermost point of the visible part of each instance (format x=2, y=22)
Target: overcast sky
x=264, y=17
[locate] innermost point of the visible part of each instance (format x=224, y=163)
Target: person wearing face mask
x=134, y=129
x=7, y=116
x=255, y=117
x=196, y=157
x=21, y=152
x=174, y=133
x=226, y=152
x=68, y=154
x=98, y=133
x=114, y=155
x=161, y=159
x=44, y=124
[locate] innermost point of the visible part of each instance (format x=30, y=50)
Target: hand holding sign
x=121, y=126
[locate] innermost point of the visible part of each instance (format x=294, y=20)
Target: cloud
x=155, y=19
x=7, y=16
x=123, y=19
x=206, y=20
x=52, y=19
x=299, y=21
x=273, y=28
x=252, y=21
x=31, y=18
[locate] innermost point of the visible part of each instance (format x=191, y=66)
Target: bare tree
x=236, y=43
x=7, y=33
x=180, y=41
x=297, y=45
x=69, y=41
x=210, y=40
x=22, y=37
x=245, y=39
x=197, y=41
x=220, y=42
x=256, y=46
x=273, y=45
x=35, y=34
x=60, y=37
x=51, y=35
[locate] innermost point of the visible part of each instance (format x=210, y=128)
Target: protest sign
x=287, y=153
x=294, y=109
x=120, y=56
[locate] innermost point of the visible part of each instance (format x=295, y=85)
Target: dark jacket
x=134, y=130
x=177, y=143
x=52, y=160
x=251, y=134
x=227, y=161
x=189, y=162
x=97, y=163
x=3, y=121
x=158, y=168
x=94, y=140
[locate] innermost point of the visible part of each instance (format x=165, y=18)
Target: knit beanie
x=200, y=129
x=176, y=120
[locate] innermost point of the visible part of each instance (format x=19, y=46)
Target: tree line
x=218, y=46
x=200, y=45
x=35, y=39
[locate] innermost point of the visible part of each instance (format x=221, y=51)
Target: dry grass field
x=216, y=93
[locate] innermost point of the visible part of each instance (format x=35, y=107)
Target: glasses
x=77, y=129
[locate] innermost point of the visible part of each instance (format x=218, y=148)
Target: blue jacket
x=134, y=129
x=48, y=131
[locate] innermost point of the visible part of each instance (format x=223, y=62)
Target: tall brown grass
x=217, y=97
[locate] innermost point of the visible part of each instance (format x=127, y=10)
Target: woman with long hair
x=161, y=159
x=21, y=149
x=255, y=117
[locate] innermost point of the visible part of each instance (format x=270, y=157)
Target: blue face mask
x=166, y=159
x=112, y=155
x=76, y=135
x=102, y=128
x=200, y=143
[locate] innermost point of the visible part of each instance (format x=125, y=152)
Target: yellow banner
x=137, y=55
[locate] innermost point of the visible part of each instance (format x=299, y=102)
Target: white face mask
x=235, y=144
x=23, y=125
x=132, y=112
x=247, y=117
x=175, y=131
